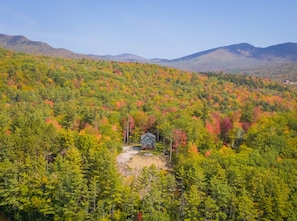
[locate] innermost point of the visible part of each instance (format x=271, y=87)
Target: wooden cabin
x=148, y=141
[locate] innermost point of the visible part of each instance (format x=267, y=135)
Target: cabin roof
x=148, y=134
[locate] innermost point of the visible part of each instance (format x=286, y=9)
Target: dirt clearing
x=139, y=161
x=132, y=160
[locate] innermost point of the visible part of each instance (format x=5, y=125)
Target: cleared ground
x=132, y=160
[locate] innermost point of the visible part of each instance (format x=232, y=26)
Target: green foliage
x=232, y=140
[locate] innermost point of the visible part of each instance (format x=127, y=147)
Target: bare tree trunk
x=171, y=148
x=164, y=145
x=128, y=132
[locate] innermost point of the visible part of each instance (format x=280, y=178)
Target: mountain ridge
x=233, y=58
x=201, y=53
x=22, y=44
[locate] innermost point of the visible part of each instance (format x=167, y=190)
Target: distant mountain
x=22, y=44
x=122, y=57
x=237, y=58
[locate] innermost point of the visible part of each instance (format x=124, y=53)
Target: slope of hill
x=22, y=44
x=231, y=138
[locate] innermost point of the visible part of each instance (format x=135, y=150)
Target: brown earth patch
x=131, y=162
x=140, y=161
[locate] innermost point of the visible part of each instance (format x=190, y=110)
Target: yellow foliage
x=117, y=214
x=44, y=180
x=129, y=180
x=225, y=150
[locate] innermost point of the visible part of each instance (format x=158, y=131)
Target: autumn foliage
x=231, y=141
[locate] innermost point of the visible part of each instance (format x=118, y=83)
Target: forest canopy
x=63, y=122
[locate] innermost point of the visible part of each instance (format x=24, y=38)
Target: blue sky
x=152, y=28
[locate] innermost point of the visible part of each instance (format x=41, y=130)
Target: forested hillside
x=63, y=122
x=280, y=72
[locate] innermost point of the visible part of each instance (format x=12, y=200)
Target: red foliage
x=10, y=83
x=139, y=216
x=246, y=126
x=131, y=123
x=179, y=139
x=170, y=110
x=140, y=103
x=226, y=125
x=149, y=123
x=117, y=71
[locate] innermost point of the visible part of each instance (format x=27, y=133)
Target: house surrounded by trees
x=148, y=141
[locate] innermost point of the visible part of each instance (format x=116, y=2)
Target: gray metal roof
x=148, y=134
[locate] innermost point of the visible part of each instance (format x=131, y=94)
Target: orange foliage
x=235, y=116
x=49, y=102
x=54, y=122
x=89, y=129
x=8, y=132
x=140, y=103
x=257, y=113
x=114, y=128
x=192, y=149
x=118, y=105
x=207, y=153
x=213, y=126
